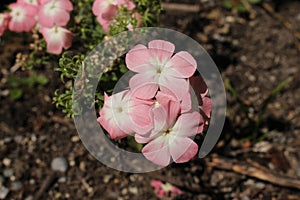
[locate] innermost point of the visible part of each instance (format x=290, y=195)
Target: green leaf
x=13, y=82
x=42, y=80
x=134, y=144
x=241, y=8
x=255, y=1
x=227, y=4
x=15, y=93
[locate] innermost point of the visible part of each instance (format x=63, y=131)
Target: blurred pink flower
x=171, y=132
x=165, y=190
x=106, y=10
x=54, y=12
x=57, y=38
x=4, y=20
x=22, y=17
x=122, y=114
x=158, y=69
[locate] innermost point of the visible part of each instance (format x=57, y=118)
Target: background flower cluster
x=157, y=108
x=50, y=18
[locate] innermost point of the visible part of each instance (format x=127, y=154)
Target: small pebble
x=7, y=140
x=15, y=186
x=82, y=166
x=124, y=191
x=29, y=197
x=62, y=179
x=59, y=164
x=75, y=139
x=133, y=190
x=107, y=178
x=8, y=172
x=3, y=192
x=18, y=139
x=298, y=17
x=6, y=162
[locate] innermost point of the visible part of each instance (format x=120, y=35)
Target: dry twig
x=256, y=171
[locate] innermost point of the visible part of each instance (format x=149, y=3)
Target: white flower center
x=159, y=65
x=109, y=3
x=18, y=14
x=52, y=8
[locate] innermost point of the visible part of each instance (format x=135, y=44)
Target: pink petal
x=171, y=107
x=180, y=87
x=186, y=103
x=62, y=18
x=182, y=65
x=206, y=106
x=104, y=23
x=141, y=116
x=44, y=20
x=143, y=86
x=156, y=183
x=183, y=149
x=160, y=120
x=187, y=124
x=157, y=151
x=114, y=131
x=141, y=139
x=66, y=5
x=109, y=13
x=162, y=48
x=138, y=59
x=68, y=40
x=97, y=7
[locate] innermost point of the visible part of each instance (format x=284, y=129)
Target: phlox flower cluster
x=106, y=10
x=157, y=107
x=49, y=16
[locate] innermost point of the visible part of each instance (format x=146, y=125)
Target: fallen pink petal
x=165, y=190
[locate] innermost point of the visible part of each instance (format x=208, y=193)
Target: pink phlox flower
x=165, y=190
x=122, y=114
x=57, y=38
x=157, y=69
x=54, y=12
x=170, y=135
x=106, y=10
x=22, y=17
x=4, y=20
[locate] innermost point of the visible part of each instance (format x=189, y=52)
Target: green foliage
x=240, y=5
x=18, y=86
x=69, y=64
x=132, y=143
